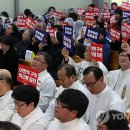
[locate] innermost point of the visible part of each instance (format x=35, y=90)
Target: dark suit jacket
x=9, y=61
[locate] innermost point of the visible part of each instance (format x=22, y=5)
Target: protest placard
x=96, y=52
x=27, y=75
x=30, y=23
x=115, y=34
x=68, y=30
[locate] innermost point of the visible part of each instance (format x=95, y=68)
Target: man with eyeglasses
x=46, y=85
x=69, y=108
x=6, y=102
x=28, y=114
x=101, y=98
x=119, y=79
x=67, y=76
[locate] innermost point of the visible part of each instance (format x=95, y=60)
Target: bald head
x=5, y=74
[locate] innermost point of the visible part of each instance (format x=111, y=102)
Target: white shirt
x=7, y=106
x=33, y=121
x=102, y=102
x=76, y=85
x=81, y=66
x=47, y=88
x=76, y=124
x=119, y=80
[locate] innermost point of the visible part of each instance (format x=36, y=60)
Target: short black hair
x=51, y=7
x=8, y=40
x=4, y=13
x=114, y=3
x=27, y=94
x=74, y=100
x=27, y=12
x=70, y=70
x=95, y=70
x=46, y=56
x=6, y=125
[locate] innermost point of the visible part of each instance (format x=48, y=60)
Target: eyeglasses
x=60, y=105
x=39, y=60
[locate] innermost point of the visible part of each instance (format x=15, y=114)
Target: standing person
x=28, y=116
x=46, y=85
x=6, y=102
x=101, y=97
x=70, y=107
x=9, y=57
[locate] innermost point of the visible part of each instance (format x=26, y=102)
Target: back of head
x=27, y=12
x=5, y=125
x=27, y=94
x=97, y=72
x=8, y=40
x=74, y=100
x=70, y=70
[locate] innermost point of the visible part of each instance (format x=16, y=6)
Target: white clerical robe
x=76, y=124
x=76, y=85
x=47, y=88
x=33, y=121
x=119, y=81
x=81, y=66
x=7, y=107
x=102, y=102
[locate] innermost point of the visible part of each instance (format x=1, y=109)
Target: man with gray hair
x=6, y=102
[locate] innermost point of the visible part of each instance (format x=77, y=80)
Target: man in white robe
x=46, y=84
x=68, y=112
x=6, y=102
x=102, y=97
x=119, y=80
x=29, y=116
x=67, y=77
x=81, y=66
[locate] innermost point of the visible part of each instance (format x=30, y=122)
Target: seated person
x=70, y=107
x=28, y=116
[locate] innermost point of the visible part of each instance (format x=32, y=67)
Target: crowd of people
x=88, y=96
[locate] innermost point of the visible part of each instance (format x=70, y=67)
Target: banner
x=46, y=16
x=124, y=31
x=96, y=52
x=68, y=43
x=40, y=35
x=125, y=6
x=125, y=14
x=112, y=19
x=68, y=30
x=106, y=14
x=30, y=23
x=27, y=75
x=115, y=34
x=51, y=31
x=21, y=22
x=93, y=34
